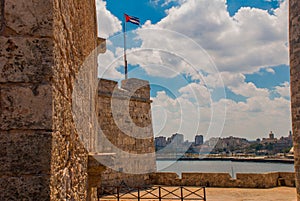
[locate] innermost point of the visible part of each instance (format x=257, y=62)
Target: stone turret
x=126, y=129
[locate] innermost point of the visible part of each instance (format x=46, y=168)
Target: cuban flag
x=133, y=20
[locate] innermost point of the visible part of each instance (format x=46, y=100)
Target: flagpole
x=125, y=58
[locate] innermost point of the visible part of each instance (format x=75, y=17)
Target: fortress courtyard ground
x=243, y=194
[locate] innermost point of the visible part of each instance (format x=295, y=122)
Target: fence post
x=118, y=193
x=204, y=193
x=181, y=192
x=138, y=194
x=159, y=193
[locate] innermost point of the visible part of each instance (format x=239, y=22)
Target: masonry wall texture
x=243, y=180
x=43, y=45
x=294, y=24
x=126, y=130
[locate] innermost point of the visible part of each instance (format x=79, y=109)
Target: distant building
x=199, y=140
x=160, y=141
x=212, y=142
x=270, y=139
x=176, y=139
x=274, y=145
x=290, y=136
x=271, y=136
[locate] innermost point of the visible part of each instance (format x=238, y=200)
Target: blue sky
x=216, y=67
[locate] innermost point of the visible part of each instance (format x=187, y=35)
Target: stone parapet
x=131, y=89
x=243, y=180
x=165, y=178
x=139, y=88
x=114, y=178
x=107, y=87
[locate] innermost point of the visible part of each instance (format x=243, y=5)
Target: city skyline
x=270, y=145
x=203, y=57
x=270, y=135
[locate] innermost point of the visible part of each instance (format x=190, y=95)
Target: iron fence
x=160, y=193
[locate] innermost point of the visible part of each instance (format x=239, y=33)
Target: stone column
x=294, y=24
x=42, y=46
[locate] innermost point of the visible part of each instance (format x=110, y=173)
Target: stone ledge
x=94, y=165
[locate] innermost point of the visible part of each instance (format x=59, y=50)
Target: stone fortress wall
x=43, y=45
x=243, y=180
x=126, y=130
x=294, y=45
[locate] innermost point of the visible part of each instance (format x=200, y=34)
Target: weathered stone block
x=107, y=86
x=251, y=180
x=25, y=59
x=29, y=188
x=25, y=152
x=138, y=88
x=101, y=45
x=29, y=17
x=1, y=15
x=289, y=178
x=25, y=107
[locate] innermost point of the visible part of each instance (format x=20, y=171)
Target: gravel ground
x=242, y=194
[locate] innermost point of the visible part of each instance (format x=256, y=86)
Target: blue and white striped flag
x=133, y=20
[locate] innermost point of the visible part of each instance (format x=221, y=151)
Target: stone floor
x=242, y=194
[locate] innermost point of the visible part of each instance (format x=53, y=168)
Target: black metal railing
x=159, y=193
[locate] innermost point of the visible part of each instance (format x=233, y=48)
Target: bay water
x=230, y=167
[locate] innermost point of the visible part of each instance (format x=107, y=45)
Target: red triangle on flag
x=127, y=18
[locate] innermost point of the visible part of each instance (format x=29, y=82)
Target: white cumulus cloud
x=283, y=89
x=249, y=40
x=108, y=24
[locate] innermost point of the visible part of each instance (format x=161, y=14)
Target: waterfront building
x=176, y=139
x=160, y=141
x=270, y=139
x=271, y=136
x=199, y=140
